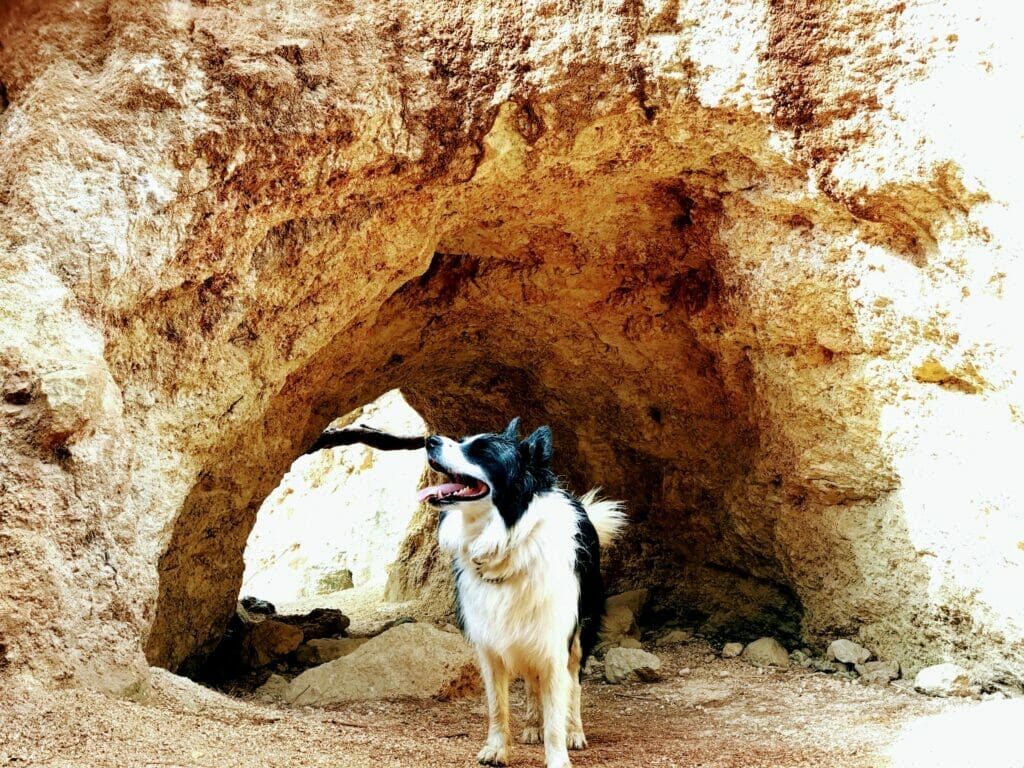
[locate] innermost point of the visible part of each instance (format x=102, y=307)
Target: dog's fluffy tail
x=607, y=516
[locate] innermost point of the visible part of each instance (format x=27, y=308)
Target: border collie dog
x=529, y=594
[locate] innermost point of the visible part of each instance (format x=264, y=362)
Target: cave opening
x=316, y=580
x=650, y=313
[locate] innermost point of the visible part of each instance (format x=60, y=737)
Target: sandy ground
x=719, y=713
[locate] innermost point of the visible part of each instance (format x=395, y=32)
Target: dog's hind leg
x=496, y=678
x=575, y=739
x=534, y=728
x=554, y=697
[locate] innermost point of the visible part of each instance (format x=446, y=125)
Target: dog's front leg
x=554, y=697
x=496, y=679
x=575, y=738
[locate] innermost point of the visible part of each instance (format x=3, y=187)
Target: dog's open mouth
x=462, y=488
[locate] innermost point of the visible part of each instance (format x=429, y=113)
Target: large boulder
x=408, y=661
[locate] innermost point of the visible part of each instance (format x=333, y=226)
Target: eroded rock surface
x=754, y=263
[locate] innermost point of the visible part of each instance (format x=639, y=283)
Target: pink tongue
x=438, y=490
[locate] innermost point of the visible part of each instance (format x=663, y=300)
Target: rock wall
x=754, y=262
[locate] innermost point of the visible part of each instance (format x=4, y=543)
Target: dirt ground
x=705, y=712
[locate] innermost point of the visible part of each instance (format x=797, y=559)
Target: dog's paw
x=560, y=762
x=493, y=754
x=576, y=740
x=531, y=735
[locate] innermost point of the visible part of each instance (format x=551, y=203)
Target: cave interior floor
x=706, y=711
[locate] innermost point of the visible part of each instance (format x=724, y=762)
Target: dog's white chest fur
x=518, y=589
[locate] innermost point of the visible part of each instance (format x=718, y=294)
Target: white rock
x=943, y=680
x=766, y=652
x=414, y=660
x=622, y=664
x=848, y=652
x=732, y=650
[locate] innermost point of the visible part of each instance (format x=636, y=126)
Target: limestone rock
x=766, y=652
x=624, y=664
x=410, y=660
x=273, y=689
x=620, y=616
x=322, y=650
x=878, y=672
x=674, y=637
x=943, y=680
x=785, y=330
x=634, y=600
x=630, y=642
x=268, y=640
x=732, y=650
x=848, y=652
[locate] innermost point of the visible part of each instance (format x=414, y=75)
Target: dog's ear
x=538, y=449
x=512, y=430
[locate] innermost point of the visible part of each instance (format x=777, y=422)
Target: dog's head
x=492, y=469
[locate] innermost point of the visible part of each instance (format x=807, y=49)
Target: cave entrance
x=333, y=526
x=319, y=557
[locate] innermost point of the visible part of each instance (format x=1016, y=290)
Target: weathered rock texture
x=410, y=660
x=753, y=262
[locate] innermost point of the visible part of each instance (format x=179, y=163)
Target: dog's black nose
x=433, y=442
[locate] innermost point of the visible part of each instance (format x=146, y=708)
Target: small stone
x=336, y=581
x=766, y=652
x=732, y=650
x=943, y=680
x=675, y=637
x=724, y=673
x=798, y=656
x=630, y=642
x=622, y=664
x=273, y=689
x=683, y=672
x=878, y=672
x=593, y=667
x=826, y=666
x=848, y=652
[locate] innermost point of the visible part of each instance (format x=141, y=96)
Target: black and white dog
x=528, y=579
